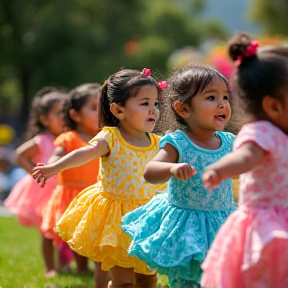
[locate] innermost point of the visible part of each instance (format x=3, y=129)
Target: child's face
x=54, y=119
x=140, y=112
x=88, y=120
x=210, y=109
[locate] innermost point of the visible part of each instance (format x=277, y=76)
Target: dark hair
x=76, y=100
x=185, y=83
x=260, y=74
x=117, y=89
x=42, y=104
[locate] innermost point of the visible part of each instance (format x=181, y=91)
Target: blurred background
x=65, y=43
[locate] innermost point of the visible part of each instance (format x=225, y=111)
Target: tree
x=65, y=43
x=272, y=15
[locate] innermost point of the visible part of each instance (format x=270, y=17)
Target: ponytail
x=106, y=118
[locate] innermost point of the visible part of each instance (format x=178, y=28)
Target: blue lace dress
x=173, y=232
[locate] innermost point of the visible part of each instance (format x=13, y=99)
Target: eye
x=156, y=104
x=211, y=98
x=226, y=98
x=145, y=104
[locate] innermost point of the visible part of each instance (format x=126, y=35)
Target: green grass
x=21, y=264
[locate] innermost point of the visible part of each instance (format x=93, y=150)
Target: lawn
x=21, y=264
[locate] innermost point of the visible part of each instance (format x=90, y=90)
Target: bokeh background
x=67, y=42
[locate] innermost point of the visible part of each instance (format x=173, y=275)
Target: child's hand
x=183, y=171
x=211, y=179
x=41, y=172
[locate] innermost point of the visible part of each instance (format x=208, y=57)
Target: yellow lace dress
x=91, y=224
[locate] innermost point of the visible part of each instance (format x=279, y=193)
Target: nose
x=153, y=110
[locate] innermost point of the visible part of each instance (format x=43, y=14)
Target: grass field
x=21, y=264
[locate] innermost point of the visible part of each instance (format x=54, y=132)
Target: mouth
x=220, y=117
x=151, y=120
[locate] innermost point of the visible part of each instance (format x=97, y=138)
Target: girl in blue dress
x=173, y=232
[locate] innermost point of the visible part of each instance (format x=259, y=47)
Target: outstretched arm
x=75, y=158
x=233, y=164
x=165, y=165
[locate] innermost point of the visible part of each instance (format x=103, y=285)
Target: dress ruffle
x=251, y=251
x=94, y=218
x=171, y=239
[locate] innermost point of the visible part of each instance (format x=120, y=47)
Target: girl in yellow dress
x=92, y=223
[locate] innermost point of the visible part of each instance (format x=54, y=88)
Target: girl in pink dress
x=251, y=248
x=27, y=199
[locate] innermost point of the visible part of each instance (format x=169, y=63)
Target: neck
x=204, y=138
x=135, y=138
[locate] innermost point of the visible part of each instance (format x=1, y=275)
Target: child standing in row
x=92, y=223
x=173, y=232
x=27, y=199
x=251, y=249
x=81, y=119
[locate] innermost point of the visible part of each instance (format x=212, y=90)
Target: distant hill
x=232, y=13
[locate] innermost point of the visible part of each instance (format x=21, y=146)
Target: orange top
x=81, y=176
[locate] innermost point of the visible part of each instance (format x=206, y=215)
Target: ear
x=74, y=115
x=117, y=110
x=181, y=109
x=272, y=107
x=43, y=119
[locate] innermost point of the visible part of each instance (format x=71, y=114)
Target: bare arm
x=58, y=153
x=165, y=165
x=242, y=160
x=25, y=153
x=75, y=158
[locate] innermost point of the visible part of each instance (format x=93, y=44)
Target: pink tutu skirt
x=27, y=200
x=249, y=251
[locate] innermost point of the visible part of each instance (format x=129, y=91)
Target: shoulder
x=65, y=137
x=263, y=133
x=43, y=138
x=108, y=134
x=226, y=136
x=174, y=138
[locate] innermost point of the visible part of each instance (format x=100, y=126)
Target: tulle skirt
x=250, y=251
x=27, y=200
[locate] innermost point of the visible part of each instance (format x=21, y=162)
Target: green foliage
x=66, y=43
x=272, y=15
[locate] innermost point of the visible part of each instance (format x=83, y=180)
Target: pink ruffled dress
x=27, y=199
x=251, y=248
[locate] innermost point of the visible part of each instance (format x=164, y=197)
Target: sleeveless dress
x=251, y=248
x=27, y=199
x=70, y=183
x=173, y=232
x=92, y=223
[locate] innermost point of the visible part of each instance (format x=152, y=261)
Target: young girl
x=81, y=118
x=92, y=223
x=251, y=249
x=172, y=233
x=27, y=199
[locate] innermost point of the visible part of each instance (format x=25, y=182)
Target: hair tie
x=146, y=71
x=250, y=50
x=162, y=84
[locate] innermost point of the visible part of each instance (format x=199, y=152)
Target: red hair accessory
x=251, y=50
x=146, y=71
x=162, y=84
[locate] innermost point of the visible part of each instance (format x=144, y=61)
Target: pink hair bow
x=146, y=71
x=162, y=84
x=251, y=50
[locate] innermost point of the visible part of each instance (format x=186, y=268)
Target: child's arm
x=75, y=158
x=25, y=153
x=164, y=165
x=58, y=153
x=242, y=160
